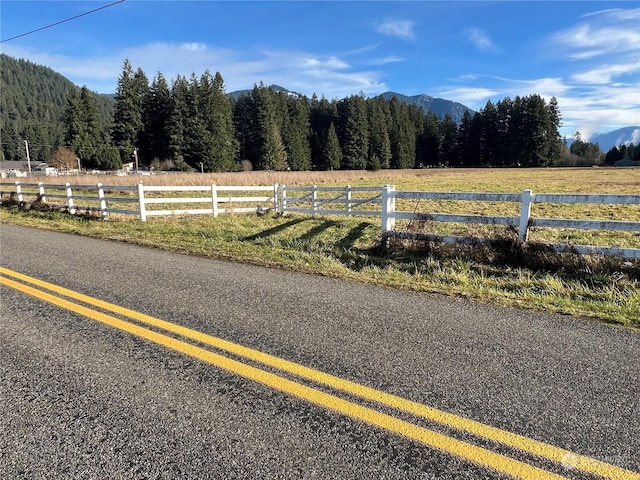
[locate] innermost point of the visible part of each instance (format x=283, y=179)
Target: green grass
x=349, y=248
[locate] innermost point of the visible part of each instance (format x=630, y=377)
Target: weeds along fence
x=403, y=214
x=523, y=223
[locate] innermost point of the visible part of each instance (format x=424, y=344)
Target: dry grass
x=541, y=180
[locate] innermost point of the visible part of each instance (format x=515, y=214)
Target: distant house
x=20, y=169
x=128, y=167
x=12, y=168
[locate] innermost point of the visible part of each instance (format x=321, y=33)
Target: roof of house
x=20, y=165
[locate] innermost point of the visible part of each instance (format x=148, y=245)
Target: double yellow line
x=482, y=456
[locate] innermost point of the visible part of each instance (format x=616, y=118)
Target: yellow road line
x=473, y=453
x=535, y=447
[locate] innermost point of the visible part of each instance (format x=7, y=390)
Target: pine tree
x=379, y=142
x=222, y=149
x=296, y=133
x=178, y=119
x=128, y=127
x=274, y=154
x=353, y=132
x=402, y=136
x=448, y=141
x=428, y=149
x=331, y=151
x=72, y=122
x=157, y=120
x=323, y=113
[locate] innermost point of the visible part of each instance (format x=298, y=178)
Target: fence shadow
x=317, y=230
x=274, y=230
x=354, y=234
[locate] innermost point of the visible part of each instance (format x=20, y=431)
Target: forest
x=192, y=124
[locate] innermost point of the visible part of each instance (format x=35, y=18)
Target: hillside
x=32, y=104
x=439, y=106
x=622, y=136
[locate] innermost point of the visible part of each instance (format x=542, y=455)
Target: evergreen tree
x=323, y=113
x=296, y=133
x=243, y=127
x=128, y=126
x=83, y=132
x=72, y=122
x=214, y=113
x=353, y=132
x=274, y=154
x=196, y=138
x=448, y=141
x=467, y=142
x=178, y=119
x=331, y=151
x=402, y=136
x=379, y=142
x=428, y=150
x=157, y=120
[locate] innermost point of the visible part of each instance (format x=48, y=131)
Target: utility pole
x=26, y=147
x=135, y=156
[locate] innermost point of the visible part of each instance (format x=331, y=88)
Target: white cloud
x=473, y=97
x=307, y=73
x=397, y=28
x=480, y=39
x=606, y=73
x=605, y=32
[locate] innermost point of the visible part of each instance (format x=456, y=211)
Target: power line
x=62, y=21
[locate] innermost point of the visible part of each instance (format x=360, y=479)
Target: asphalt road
x=81, y=399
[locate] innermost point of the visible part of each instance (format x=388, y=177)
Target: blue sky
x=586, y=54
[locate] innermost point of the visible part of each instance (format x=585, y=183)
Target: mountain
x=622, y=136
x=276, y=88
x=32, y=104
x=439, y=106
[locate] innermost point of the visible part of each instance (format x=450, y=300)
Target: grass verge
x=350, y=249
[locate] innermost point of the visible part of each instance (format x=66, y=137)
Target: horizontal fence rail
x=316, y=200
x=384, y=202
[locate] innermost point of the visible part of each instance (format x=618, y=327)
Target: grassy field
x=350, y=248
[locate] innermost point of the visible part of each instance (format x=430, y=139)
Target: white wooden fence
x=524, y=222
x=213, y=200
x=145, y=201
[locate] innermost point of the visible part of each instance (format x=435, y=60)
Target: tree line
x=193, y=124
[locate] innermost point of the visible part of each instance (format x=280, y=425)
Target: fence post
x=214, y=200
x=19, y=192
x=41, y=192
x=283, y=200
x=275, y=198
x=348, y=199
x=388, y=209
x=70, y=202
x=525, y=215
x=141, y=205
x=103, y=202
x=314, y=200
